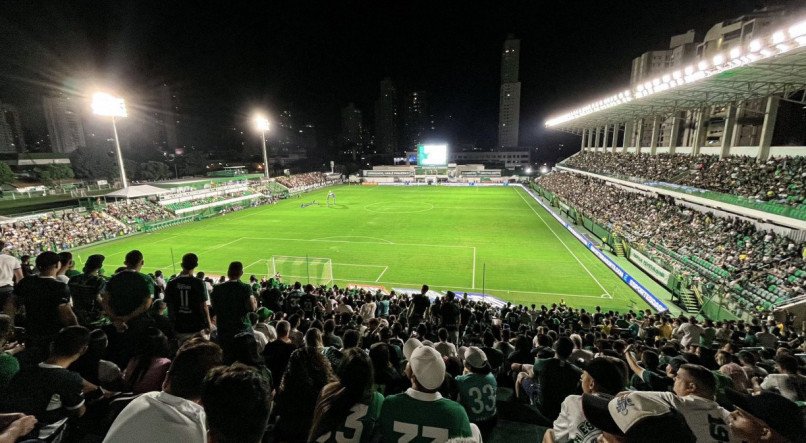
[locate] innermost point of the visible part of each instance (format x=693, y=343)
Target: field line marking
x=254, y=263
x=385, y=268
x=354, y=236
x=358, y=242
x=360, y=265
x=473, y=284
x=224, y=244
x=526, y=202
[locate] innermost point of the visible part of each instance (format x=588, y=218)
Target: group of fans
x=302, y=181
x=136, y=358
x=133, y=211
x=779, y=179
x=749, y=254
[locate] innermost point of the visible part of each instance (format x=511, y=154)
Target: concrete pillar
x=596, y=139
x=700, y=131
x=629, y=129
x=686, y=138
x=614, y=144
x=584, y=140
x=727, y=131
x=676, y=119
x=640, y=136
x=768, y=128
x=735, y=138
x=653, y=144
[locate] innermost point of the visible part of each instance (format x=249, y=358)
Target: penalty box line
x=360, y=265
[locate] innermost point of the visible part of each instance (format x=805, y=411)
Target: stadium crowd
x=137, y=359
x=302, y=181
x=779, y=179
x=750, y=255
x=58, y=231
x=136, y=211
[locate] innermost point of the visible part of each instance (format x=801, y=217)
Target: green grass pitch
x=464, y=239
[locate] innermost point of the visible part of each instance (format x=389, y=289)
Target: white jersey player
x=331, y=195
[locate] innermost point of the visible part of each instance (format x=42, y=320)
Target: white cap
x=475, y=357
x=428, y=367
x=409, y=347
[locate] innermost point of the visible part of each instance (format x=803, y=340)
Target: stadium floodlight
x=529, y=171
x=755, y=45
x=702, y=65
x=736, y=52
x=688, y=70
x=798, y=29
x=262, y=125
x=108, y=105
x=778, y=38
x=718, y=59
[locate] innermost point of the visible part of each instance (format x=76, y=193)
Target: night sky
x=227, y=58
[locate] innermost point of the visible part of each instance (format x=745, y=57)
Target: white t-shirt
x=367, y=311
x=707, y=420
x=7, y=266
x=691, y=333
x=159, y=417
x=571, y=425
x=446, y=349
x=791, y=386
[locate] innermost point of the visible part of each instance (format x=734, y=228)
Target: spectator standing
x=450, y=315
x=10, y=272
x=278, y=352
x=129, y=293
x=66, y=266
x=86, y=290
x=187, y=297
x=172, y=414
x=419, y=306
x=688, y=332
x=231, y=301
x=47, y=307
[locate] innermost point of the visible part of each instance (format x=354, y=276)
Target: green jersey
x=419, y=417
x=230, y=302
x=477, y=395
x=128, y=290
x=358, y=426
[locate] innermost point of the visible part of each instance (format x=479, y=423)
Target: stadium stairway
x=688, y=301
x=619, y=249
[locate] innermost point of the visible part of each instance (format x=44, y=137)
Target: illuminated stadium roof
x=762, y=67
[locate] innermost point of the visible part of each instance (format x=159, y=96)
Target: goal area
x=313, y=270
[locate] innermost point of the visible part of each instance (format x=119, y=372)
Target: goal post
x=313, y=270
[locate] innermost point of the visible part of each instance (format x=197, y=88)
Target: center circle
x=398, y=207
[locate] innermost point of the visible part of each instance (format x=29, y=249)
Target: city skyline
x=277, y=59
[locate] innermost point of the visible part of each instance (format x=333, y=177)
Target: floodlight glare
x=702, y=65
x=262, y=123
x=719, y=59
x=798, y=29
x=108, y=105
x=778, y=37
x=755, y=45
x=736, y=52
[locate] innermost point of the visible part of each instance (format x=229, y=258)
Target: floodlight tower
x=107, y=105
x=262, y=124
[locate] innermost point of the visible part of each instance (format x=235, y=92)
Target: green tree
x=153, y=170
x=94, y=164
x=54, y=173
x=6, y=175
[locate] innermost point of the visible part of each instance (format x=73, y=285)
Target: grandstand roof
x=762, y=67
x=137, y=192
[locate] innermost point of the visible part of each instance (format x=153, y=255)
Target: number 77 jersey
x=420, y=417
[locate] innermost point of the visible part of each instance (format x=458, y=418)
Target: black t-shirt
x=277, y=354
x=450, y=314
x=185, y=296
x=129, y=290
x=42, y=297
x=421, y=304
x=230, y=302
x=494, y=356
x=557, y=379
x=47, y=392
x=307, y=303
x=85, y=290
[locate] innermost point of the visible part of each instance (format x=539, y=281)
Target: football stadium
x=636, y=275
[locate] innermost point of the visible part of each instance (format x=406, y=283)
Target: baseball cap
x=95, y=261
x=264, y=313
x=475, y=357
x=778, y=412
x=409, y=347
x=637, y=416
x=428, y=367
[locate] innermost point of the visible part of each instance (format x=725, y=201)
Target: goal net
x=313, y=270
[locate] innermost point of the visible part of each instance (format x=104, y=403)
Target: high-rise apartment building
x=510, y=100
x=351, y=128
x=65, y=127
x=11, y=136
x=416, y=119
x=386, y=118
x=167, y=120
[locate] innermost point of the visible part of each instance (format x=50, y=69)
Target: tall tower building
x=351, y=128
x=510, y=100
x=416, y=119
x=386, y=118
x=167, y=119
x=11, y=136
x=63, y=117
